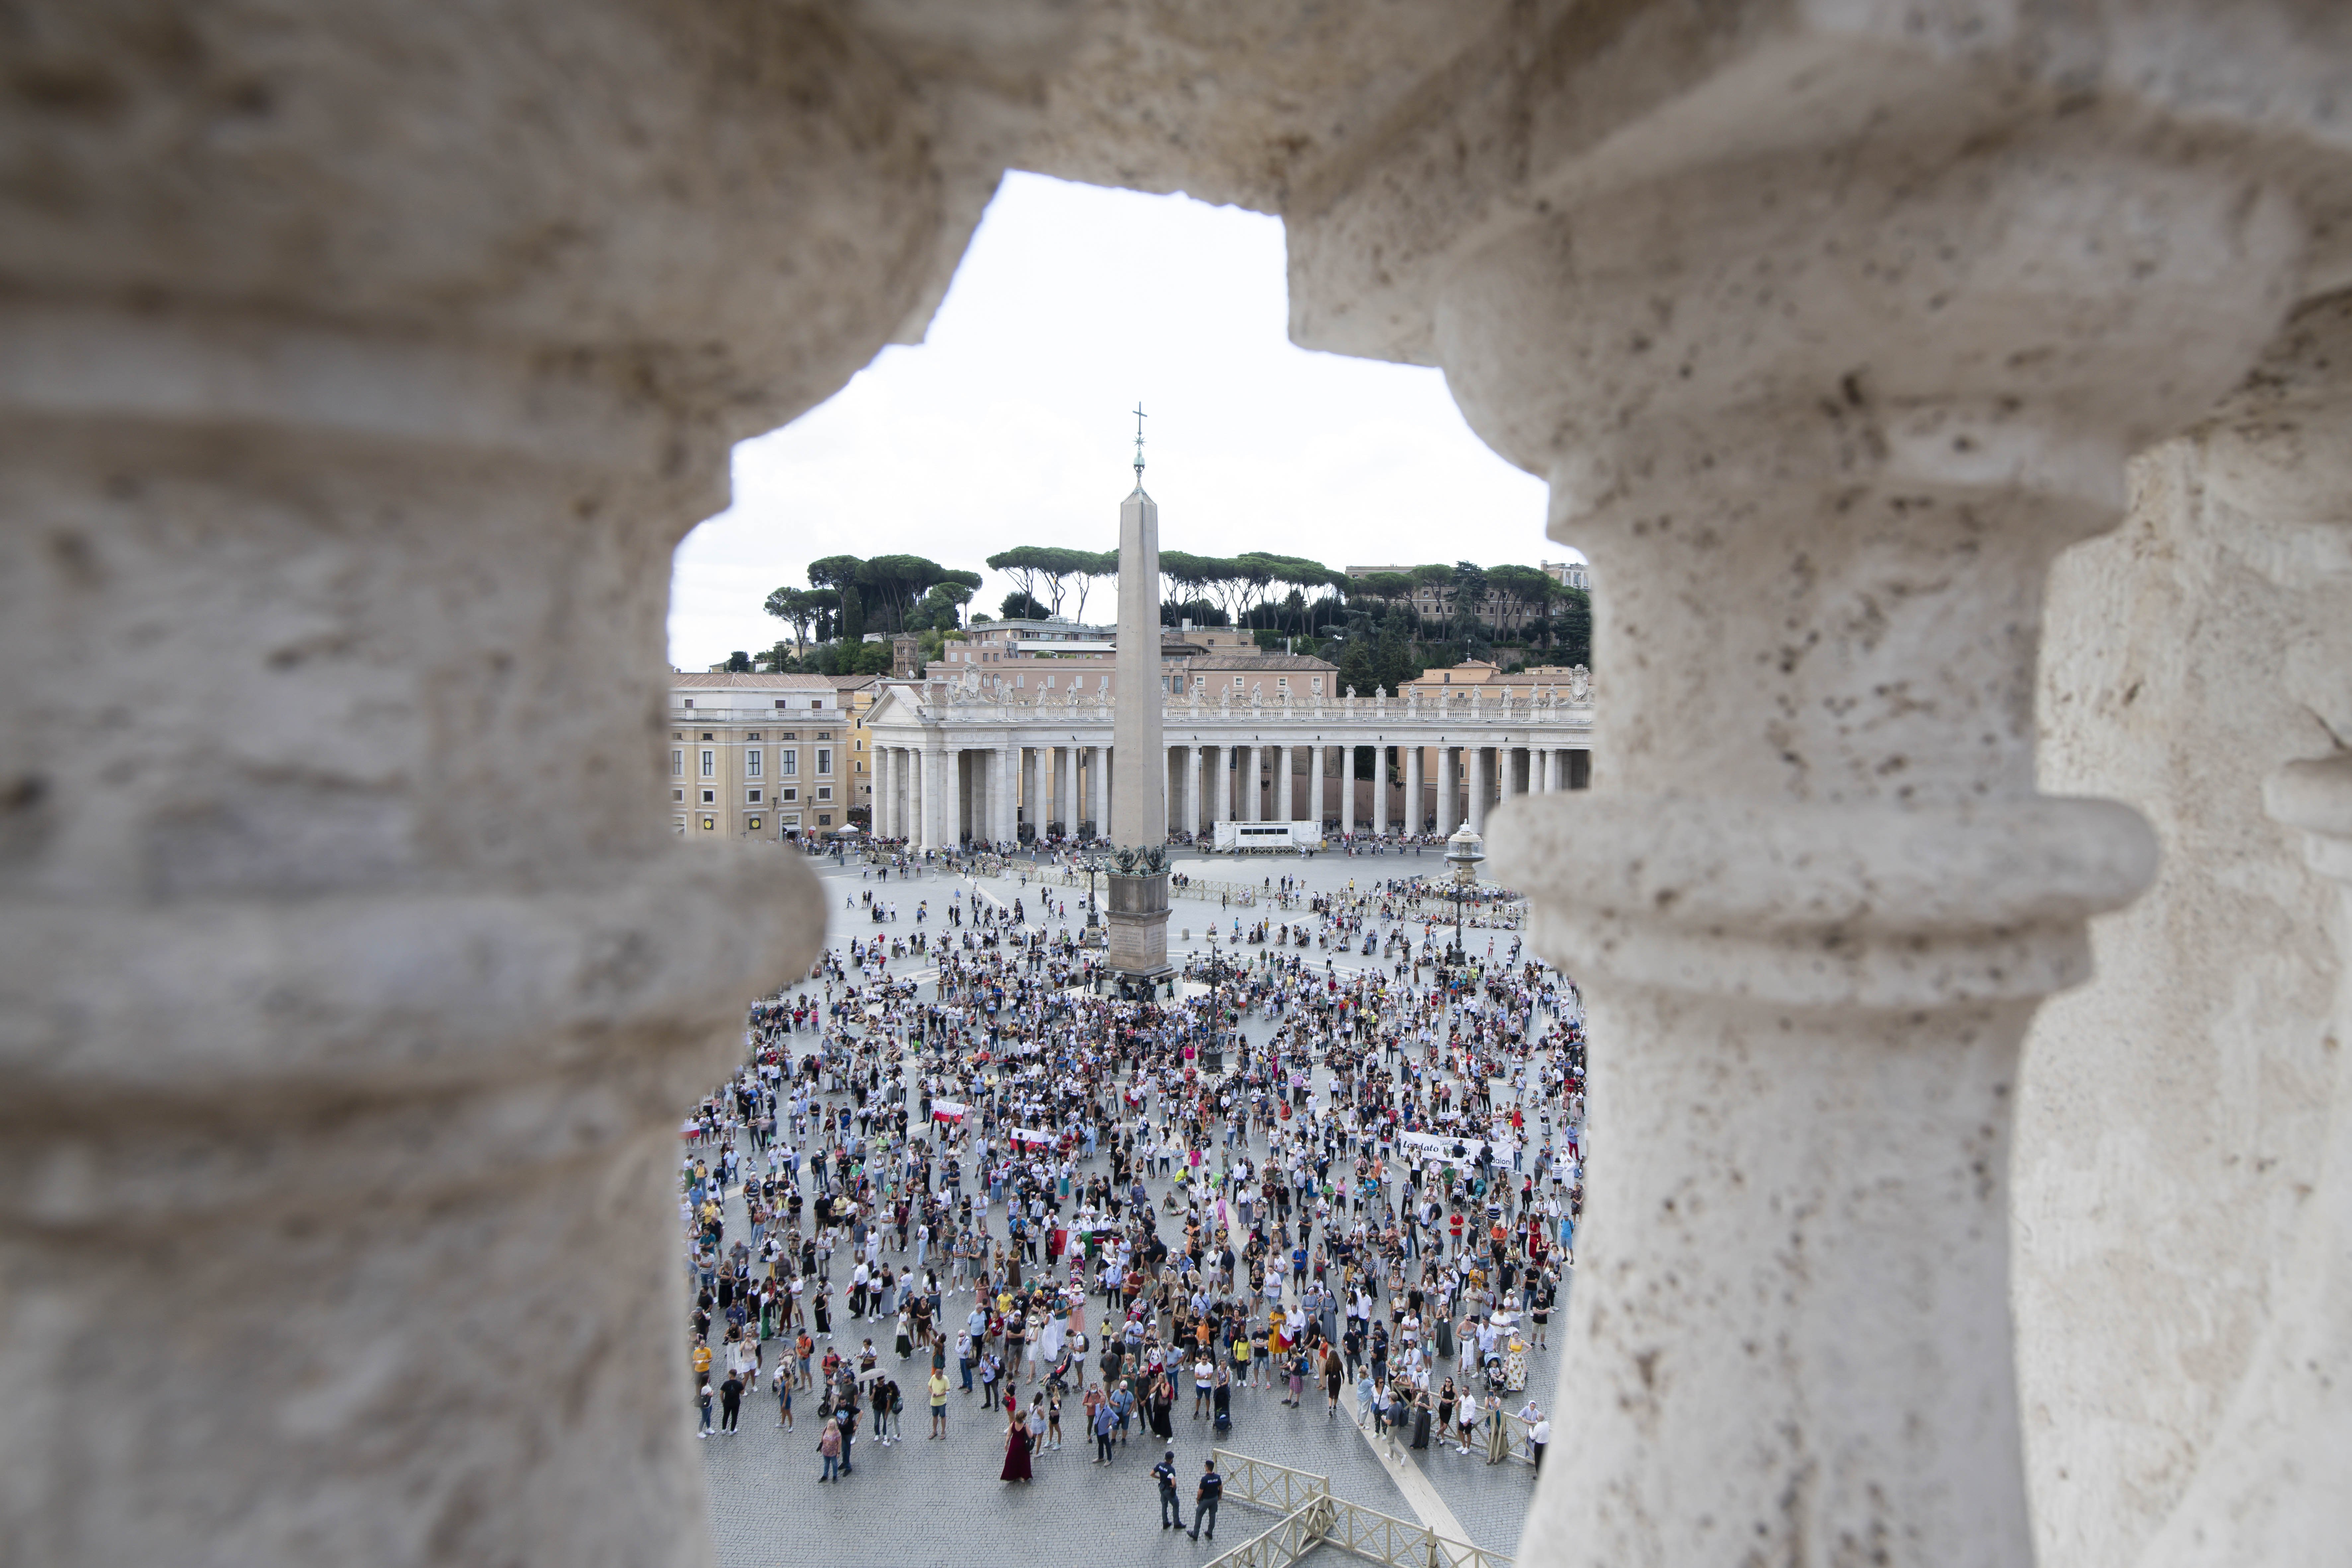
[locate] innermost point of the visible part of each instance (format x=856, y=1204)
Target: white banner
x=947, y=1110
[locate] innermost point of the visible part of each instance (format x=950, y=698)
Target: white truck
x=1268, y=838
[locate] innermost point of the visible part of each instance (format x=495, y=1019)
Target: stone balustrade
x=362, y=363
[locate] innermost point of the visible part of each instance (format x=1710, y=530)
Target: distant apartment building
x=761, y=756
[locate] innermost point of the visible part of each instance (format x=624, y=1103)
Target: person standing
x=730, y=1402
x=939, y=1388
x=1106, y=1422
x=1211, y=1492
x=702, y=1399
x=1016, y=1451
x=828, y=1448
x=1172, y=1507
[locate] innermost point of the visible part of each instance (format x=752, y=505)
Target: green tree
x=1469, y=599
x=1020, y=607
x=1571, y=628
x=942, y=606
x=799, y=608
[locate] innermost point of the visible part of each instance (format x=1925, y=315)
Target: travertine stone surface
x=1822, y=436
x=357, y=374
x=2176, y=1116
x=360, y=364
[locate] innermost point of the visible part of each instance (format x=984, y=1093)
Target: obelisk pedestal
x=1137, y=916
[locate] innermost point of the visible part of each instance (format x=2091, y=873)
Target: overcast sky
x=1009, y=425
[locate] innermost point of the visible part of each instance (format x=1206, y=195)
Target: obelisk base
x=1137, y=918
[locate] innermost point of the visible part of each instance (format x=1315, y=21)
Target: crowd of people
x=965, y=1175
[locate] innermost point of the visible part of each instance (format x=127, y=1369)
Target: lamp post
x=1212, y=1057
x=1093, y=934
x=1464, y=852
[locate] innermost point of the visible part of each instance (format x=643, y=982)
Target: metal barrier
x=1312, y=1517
x=1296, y=1535
x=1265, y=1484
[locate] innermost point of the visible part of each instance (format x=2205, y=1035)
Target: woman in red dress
x=1016, y=1451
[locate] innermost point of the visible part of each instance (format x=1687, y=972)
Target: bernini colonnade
x=1951, y=395
x=953, y=766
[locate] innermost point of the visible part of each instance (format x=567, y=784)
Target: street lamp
x=1093, y=934
x=1212, y=1057
x=1464, y=851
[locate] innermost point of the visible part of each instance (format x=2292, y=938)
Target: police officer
x=1205, y=1500
x=1164, y=1472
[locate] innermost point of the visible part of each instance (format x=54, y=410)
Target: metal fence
x=1312, y=1517
x=1265, y=1484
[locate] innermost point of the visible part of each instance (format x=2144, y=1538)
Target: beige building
x=858, y=693
x=762, y=756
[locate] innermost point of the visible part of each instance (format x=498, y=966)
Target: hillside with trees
x=1378, y=628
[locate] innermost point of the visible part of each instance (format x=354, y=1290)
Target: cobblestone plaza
x=926, y=1501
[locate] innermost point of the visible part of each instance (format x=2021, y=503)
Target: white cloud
x=1007, y=427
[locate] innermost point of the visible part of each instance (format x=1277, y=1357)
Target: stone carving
x=1147, y=861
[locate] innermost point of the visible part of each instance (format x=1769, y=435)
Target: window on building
x=677, y=765
x=824, y=792
x=792, y=735
x=677, y=795
x=783, y=701
x=788, y=763
x=1282, y=683
x=824, y=819
x=752, y=736
x=825, y=762
x=710, y=797
x=789, y=794
x=751, y=764
x=754, y=797
x=706, y=734
x=690, y=702
x=709, y=764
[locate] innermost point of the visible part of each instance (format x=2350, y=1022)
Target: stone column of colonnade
x=1481, y=784
x=1449, y=790
x=2230, y=1229
x=1819, y=898
x=938, y=808
x=1379, y=791
x=1244, y=783
x=1315, y=784
x=1187, y=797
x=1097, y=795
x=1412, y=756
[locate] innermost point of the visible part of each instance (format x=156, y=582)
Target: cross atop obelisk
x=1138, y=445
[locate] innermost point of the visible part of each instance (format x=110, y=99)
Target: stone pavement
x=925, y=1501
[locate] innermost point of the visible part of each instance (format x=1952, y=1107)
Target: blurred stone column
x=359, y=371
x=2199, y=665
x=1820, y=437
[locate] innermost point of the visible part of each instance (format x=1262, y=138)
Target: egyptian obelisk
x=1138, y=935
